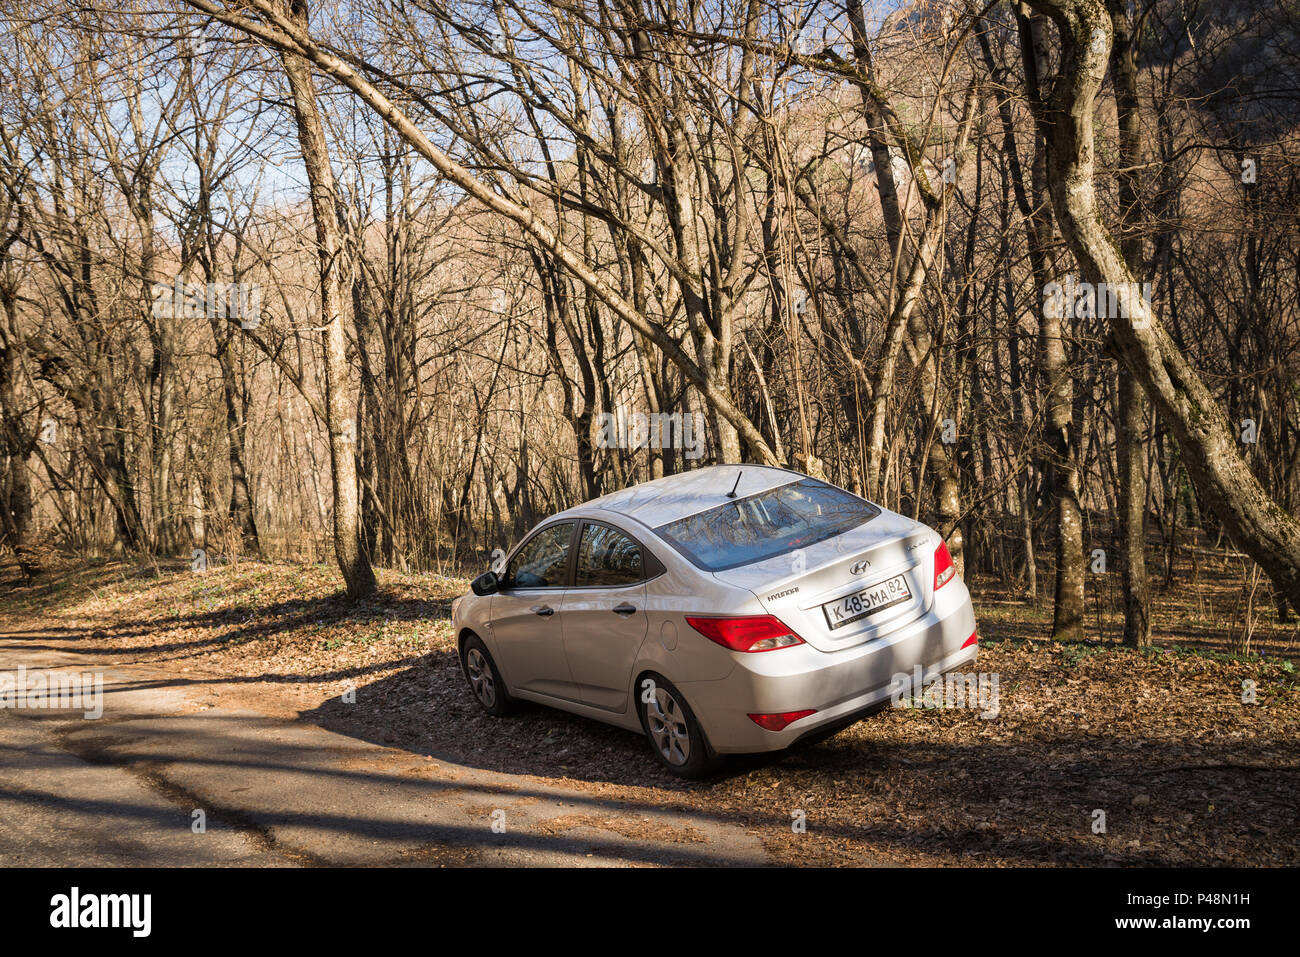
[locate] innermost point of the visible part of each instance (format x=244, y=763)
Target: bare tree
x=340, y=388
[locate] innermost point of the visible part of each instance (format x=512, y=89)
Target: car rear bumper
x=841, y=686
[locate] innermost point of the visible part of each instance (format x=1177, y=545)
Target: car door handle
x=624, y=609
x=544, y=610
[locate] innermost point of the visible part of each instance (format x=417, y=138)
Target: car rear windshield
x=759, y=526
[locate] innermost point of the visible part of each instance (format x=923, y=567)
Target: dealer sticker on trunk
x=860, y=604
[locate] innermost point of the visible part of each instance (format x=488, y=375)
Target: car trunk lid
x=850, y=589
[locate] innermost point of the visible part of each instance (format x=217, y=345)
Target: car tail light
x=974, y=639
x=778, y=722
x=746, y=633
x=943, y=566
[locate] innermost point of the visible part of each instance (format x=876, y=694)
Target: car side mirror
x=485, y=584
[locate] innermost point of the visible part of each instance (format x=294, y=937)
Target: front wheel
x=675, y=735
x=484, y=679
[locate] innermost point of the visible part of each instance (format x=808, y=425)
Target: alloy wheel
x=480, y=677
x=668, y=728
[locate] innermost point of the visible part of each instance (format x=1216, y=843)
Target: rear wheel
x=484, y=680
x=674, y=733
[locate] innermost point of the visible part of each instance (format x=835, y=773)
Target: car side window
x=543, y=561
x=607, y=557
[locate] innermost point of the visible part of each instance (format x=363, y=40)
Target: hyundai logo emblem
x=860, y=567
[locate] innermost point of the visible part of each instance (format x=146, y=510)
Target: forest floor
x=1160, y=740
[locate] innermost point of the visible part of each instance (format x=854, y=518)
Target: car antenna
x=732, y=493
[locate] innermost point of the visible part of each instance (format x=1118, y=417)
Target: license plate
x=860, y=604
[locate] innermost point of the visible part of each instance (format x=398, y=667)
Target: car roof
x=665, y=500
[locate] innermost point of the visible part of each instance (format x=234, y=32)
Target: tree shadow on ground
x=1032, y=801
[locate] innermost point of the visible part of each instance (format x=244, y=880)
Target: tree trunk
x=1060, y=462
x=340, y=390
x=240, y=509
x=1063, y=478
x=1132, y=412
x=162, y=386
x=15, y=449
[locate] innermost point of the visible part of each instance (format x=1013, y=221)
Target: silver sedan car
x=727, y=609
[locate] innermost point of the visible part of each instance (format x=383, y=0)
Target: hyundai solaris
x=723, y=610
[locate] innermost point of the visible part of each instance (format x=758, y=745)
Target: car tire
x=484, y=679
x=672, y=729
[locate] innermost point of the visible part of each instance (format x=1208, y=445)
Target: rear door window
x=607, y=557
